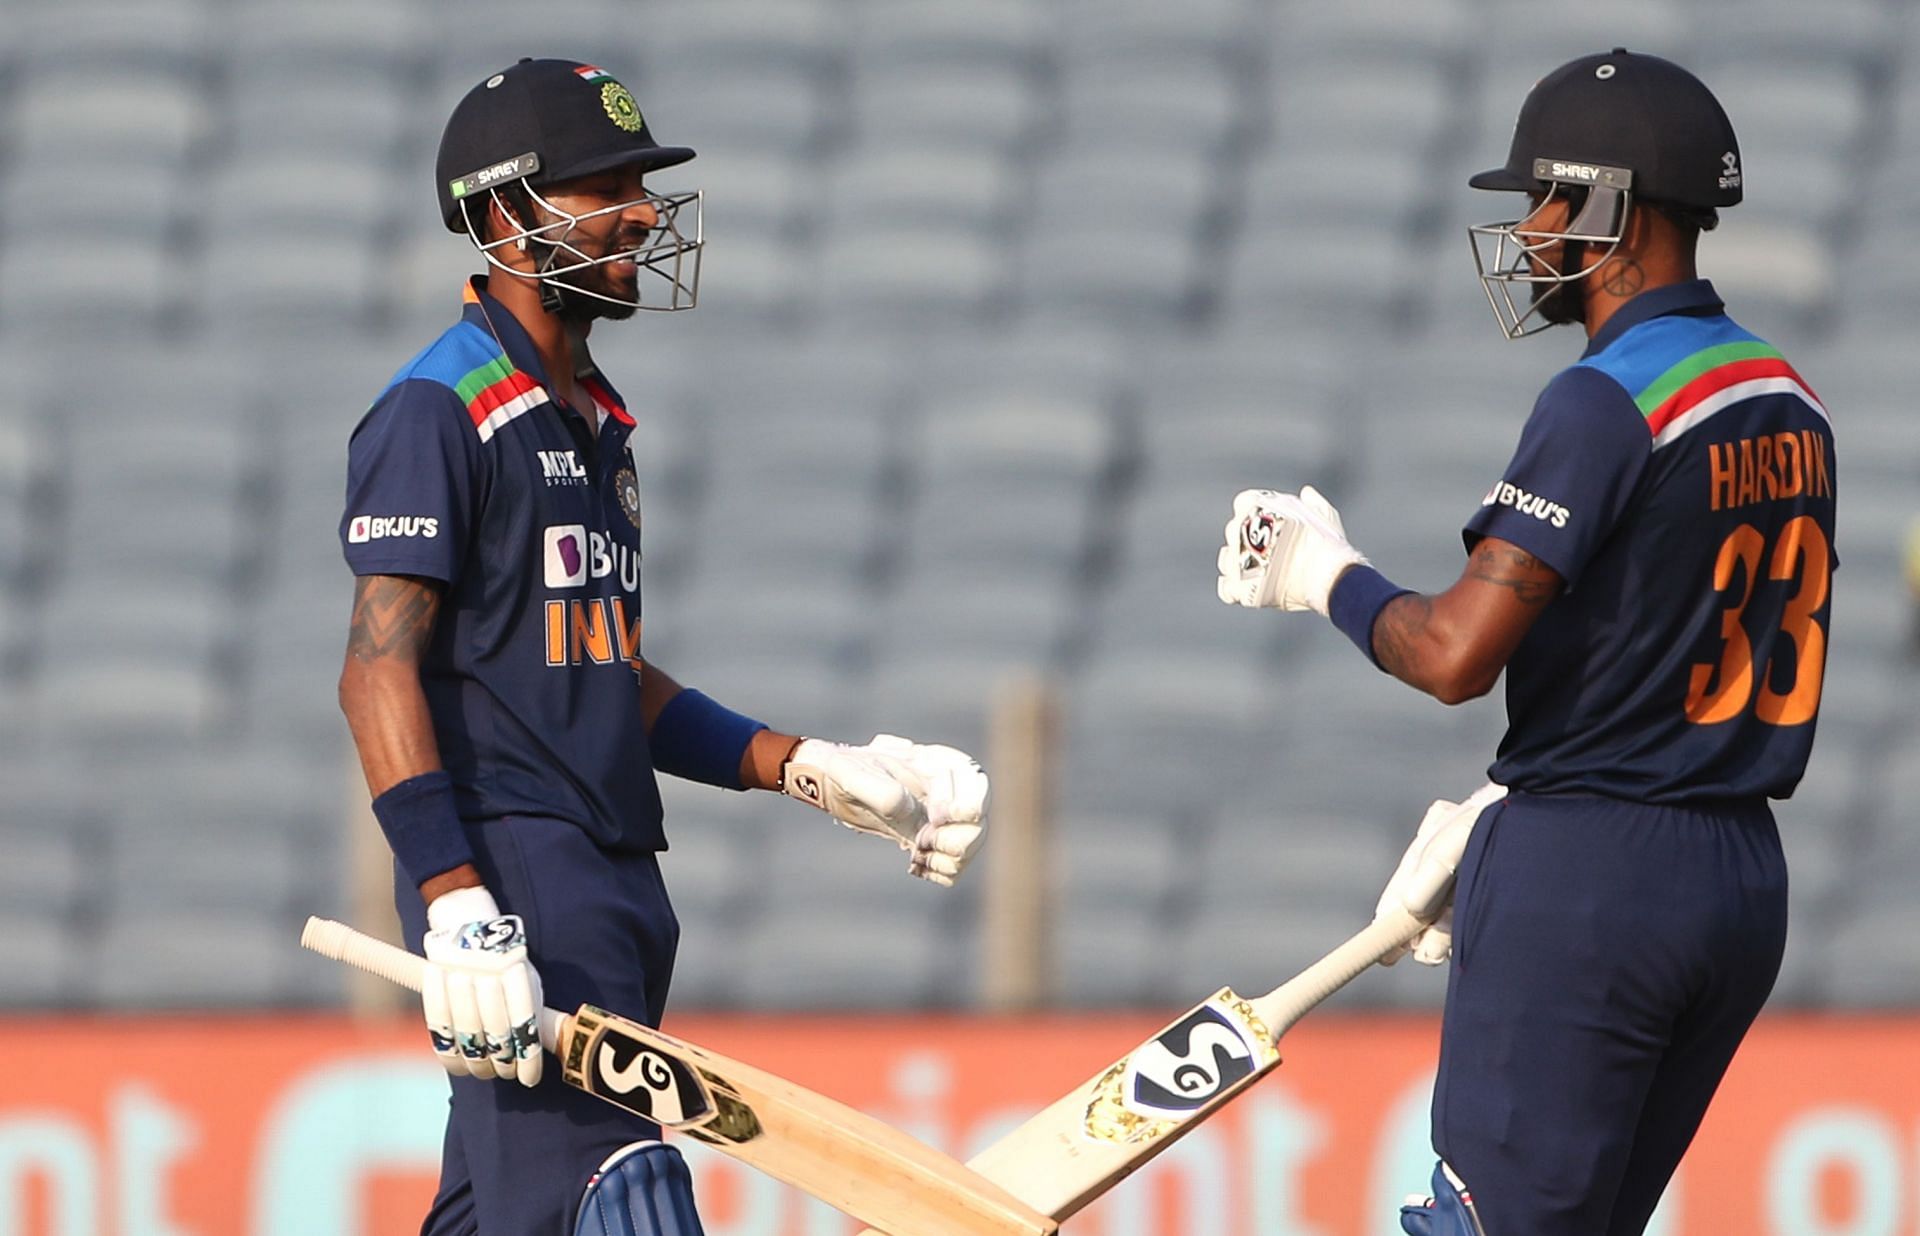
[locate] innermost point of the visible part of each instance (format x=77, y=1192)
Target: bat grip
x=1292, y=1000
x=361, y=951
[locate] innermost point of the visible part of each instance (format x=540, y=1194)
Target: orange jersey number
x=1722, y=692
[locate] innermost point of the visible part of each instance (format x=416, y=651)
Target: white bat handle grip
x=361, y=951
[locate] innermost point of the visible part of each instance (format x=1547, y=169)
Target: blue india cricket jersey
x=1680, y=478
x=468, y=471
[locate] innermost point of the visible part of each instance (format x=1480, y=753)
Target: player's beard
x=578, y=306
x=1560, y=303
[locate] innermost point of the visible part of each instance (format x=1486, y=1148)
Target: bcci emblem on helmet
x=621, y=108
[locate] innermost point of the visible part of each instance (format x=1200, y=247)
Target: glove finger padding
x=1433, y=946
x=469, y=1032
x=949, y=783
x=490, y=997
x=1317, y=503
x=439, y=1018
x=520, y=987
x=942, y=852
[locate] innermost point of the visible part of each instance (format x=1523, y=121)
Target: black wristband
x=423, y=827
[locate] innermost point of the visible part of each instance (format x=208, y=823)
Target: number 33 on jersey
x=1681, y=479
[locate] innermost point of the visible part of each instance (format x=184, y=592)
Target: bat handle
x=361, y=951
x=1293, y=999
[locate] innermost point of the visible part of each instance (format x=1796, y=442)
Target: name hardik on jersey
x=1680, y=478
x=468, y=472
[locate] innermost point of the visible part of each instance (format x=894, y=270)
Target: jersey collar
x=1694, y=296
x=481, y=309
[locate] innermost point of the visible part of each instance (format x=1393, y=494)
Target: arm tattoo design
x=1397, y=631
x=392, y=616
x=1506, y=566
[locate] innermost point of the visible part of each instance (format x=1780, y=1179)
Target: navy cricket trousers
x=1608, y=959
x=599, y=931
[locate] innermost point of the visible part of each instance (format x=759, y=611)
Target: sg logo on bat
x=622, y=1070
x=1189, y=1064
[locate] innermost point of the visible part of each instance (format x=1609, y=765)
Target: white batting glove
x=1283, y=551
x=1443, y=833
x=929, y=799
x=480, y=994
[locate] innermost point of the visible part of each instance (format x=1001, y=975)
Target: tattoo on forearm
x=1531, y=580
x=391, y=616
x=1398, y=629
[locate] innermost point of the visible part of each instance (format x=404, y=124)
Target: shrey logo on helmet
x=1730, y=170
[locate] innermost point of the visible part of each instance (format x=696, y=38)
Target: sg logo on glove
x=1256, y=538
x=498, y=935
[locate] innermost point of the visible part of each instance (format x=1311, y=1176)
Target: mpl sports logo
x=364, y=528
x=1504, y=494
x=1189, y=1064
x=561, y=468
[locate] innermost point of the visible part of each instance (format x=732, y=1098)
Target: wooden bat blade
x=844, y=1157
x=1119, y=1120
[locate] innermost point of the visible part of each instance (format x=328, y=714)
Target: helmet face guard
x=670, y=253
x=1511, y=254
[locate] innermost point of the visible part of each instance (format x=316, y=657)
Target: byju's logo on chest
x=566, y=555
x=561, y=468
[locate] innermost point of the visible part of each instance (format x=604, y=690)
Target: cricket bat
x=846, y=1158
x=1108, y=1128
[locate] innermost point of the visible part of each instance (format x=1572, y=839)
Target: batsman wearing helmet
x=1651, y=571
x=508, y=723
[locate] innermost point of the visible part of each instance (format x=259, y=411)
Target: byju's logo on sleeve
x=566, y=556
x=364, y=528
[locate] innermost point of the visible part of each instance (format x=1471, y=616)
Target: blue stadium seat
x=914, y=280
x=109, y=38
x=980, y=34
x=132, y=121
x=1149, y=97
x=1540, y=34
x=127, y=286
x=41, y=966
x=191, y=959
x=944, y=107
x=1305, y=34
x=49, y=872
x=850, y=957
x=1397, y=104
x=1113, y=955
x=904, y=186
x=803, y=36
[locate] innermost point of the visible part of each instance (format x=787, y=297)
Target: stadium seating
x=1003, y=300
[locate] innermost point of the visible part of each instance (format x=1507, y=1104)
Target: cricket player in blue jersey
x=508, y=723
x=1652, y=573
